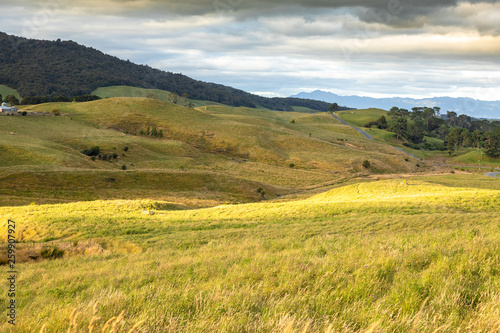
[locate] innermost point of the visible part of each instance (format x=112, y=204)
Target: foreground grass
x=411, y=256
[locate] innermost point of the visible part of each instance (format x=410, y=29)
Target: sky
x=376, y=48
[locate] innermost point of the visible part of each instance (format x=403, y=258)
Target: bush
x=94, y=151
x=366, y=164
x=56, y=112
x=293, y=121
x=24, y=113
x=125, y=149
x=52, y=253
x=291, y=165
x=411, y=145
x=124, y=167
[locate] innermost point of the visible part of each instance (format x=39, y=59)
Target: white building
x=5, y=108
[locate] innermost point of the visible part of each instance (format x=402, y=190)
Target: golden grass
x=417, y=256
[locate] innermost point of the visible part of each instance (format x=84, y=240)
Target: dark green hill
x=53, y=68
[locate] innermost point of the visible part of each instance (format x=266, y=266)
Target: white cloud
x=424, y=50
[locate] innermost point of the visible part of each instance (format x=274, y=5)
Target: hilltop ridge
x=52, y=68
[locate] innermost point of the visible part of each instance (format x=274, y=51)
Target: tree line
x=457, y=131
x=32, y=100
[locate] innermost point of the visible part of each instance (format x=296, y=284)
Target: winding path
x=366, y=135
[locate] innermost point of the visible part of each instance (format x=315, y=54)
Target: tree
x=416, y=128
x=382, y=122
x=443, y=131
x=454, y=140
x=492, y=143
x=1, y=100
x=427, y=115
x=464, y=121
x=451, y=118
x=465, y=139
x=12, y=100
x=333, y=107
x=477, y=139
x=174, y=97
x=398, y=125
x=94, y=151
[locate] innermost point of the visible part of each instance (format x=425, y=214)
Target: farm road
x=366, y=135
x=492, y=174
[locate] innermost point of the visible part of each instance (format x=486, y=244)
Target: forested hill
x=55, y=68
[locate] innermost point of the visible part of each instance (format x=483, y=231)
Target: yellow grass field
x=237, y=220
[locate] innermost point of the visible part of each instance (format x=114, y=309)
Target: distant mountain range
x=65, y=68
x=468, y=106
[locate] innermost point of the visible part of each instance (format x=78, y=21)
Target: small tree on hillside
x=12, y=100
x=493, y=143
x=382, y=122
x=399, y=126
x=333, y=107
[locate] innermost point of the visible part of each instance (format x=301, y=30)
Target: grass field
x=475, y=157
x=418, y=255
x=162, y=95
x=359, y=118
x=5, y=91
x=239, y=220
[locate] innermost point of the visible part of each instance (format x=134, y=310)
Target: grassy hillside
x=475, y=157
x=405, y=256
x=5, y=91
x=216, y=148
x=128, y=91
x=359, y=118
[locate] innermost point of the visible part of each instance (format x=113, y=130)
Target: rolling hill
x=52, y=68
x=213, y=153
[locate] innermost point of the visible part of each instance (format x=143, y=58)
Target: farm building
x=5, y=108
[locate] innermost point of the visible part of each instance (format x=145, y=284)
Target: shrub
x=261, y=191
x=366, y=164
x=52, y=253
x=56, y=112
x=24, y=113
x=293, y=121
x=291, y=165
x=125, y=148
x=115, y=156
x=94, y=151
x=124, y=167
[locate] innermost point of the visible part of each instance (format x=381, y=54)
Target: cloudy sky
x=378, y=48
